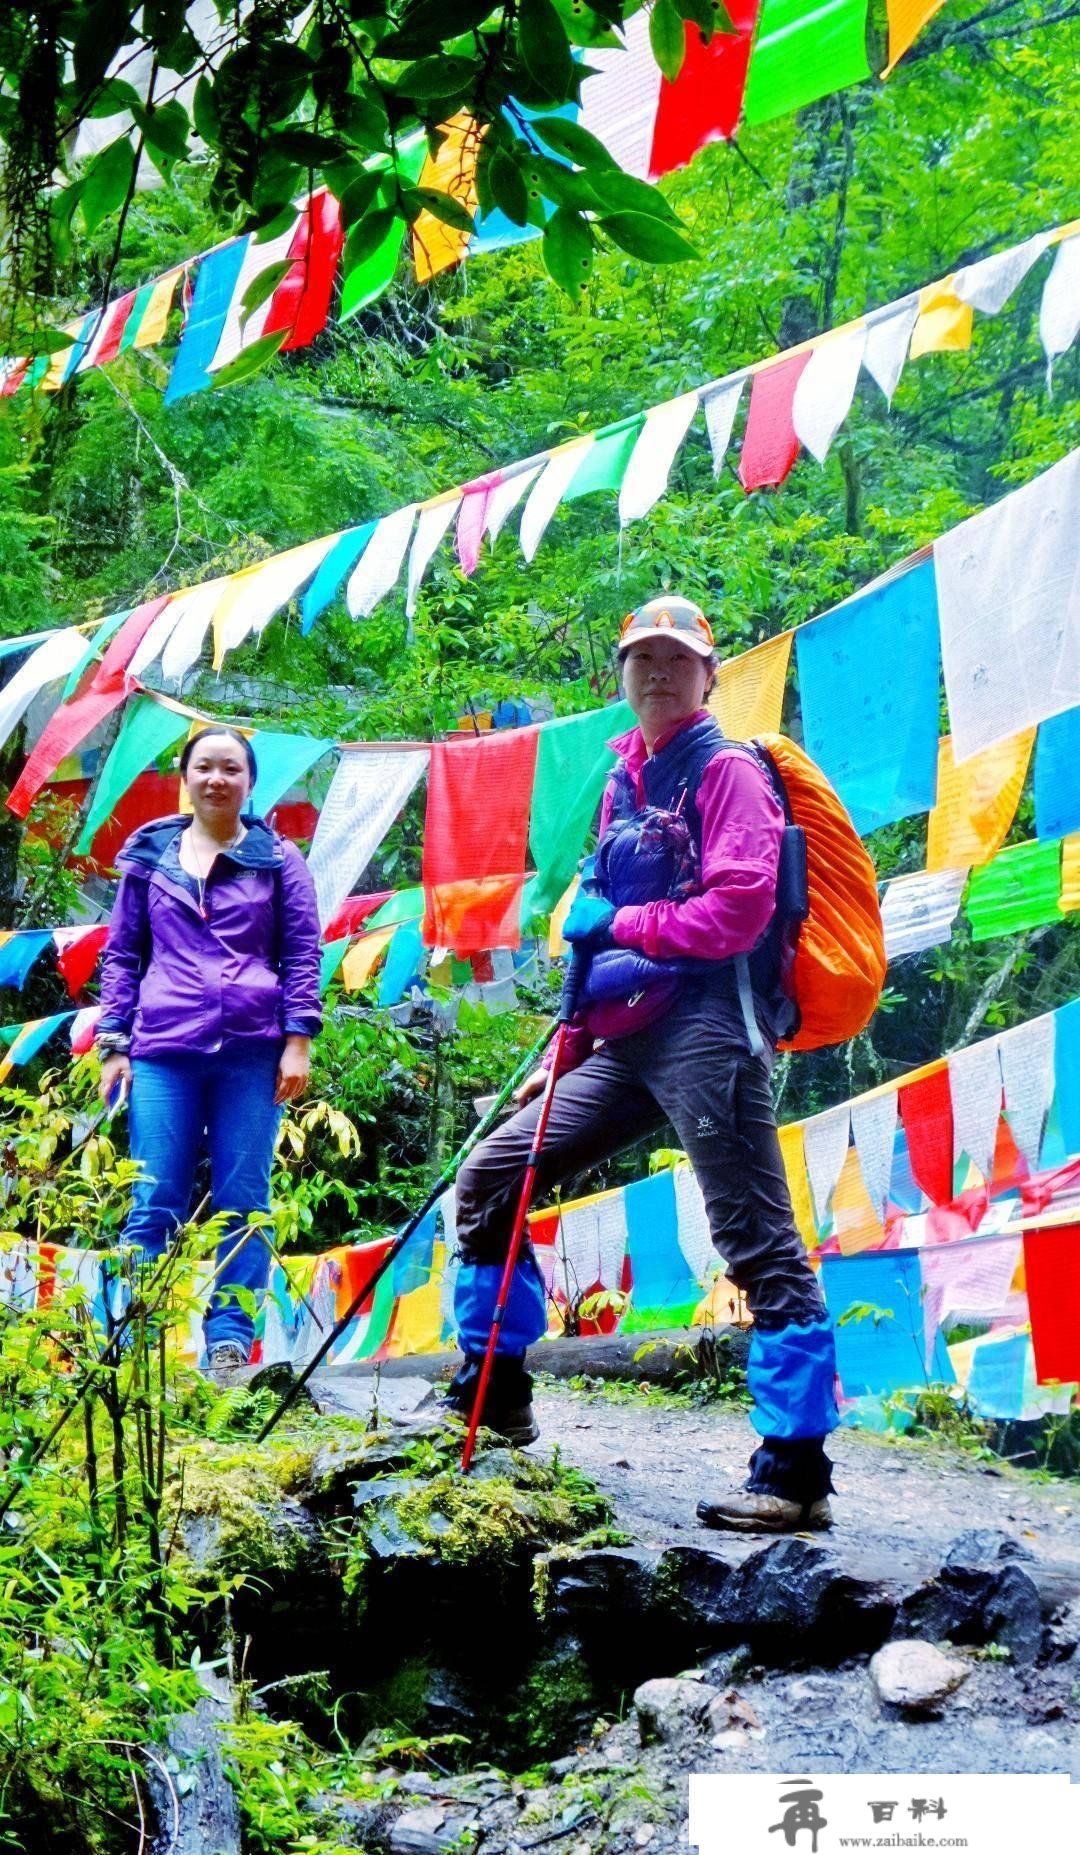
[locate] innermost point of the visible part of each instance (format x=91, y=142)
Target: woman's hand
x=293, y=1070
x=115, y=1073
x=531, y=1087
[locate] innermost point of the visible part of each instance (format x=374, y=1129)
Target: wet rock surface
x=915, y=1676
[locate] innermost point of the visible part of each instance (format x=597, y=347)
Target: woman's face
x=664, y=683
x=217, y=778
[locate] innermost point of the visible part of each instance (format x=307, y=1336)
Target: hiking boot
x=508, y=1406
x=224, y=1361
x=750, y=1510
x=516, y=1424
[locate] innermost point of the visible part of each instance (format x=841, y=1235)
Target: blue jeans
x=230, y=1097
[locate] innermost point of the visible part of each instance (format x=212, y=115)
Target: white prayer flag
x=240, y=330
x=989, y=284
x=1027, y=1074
x=379, y=565
x=975, y=1087
x=260, y=591
x=658, y=442
x=825, y=390
x=720, y=409
x=873, y=1125
x=1007, y=585
x=887, y=339
x=918, y=911
x=366, y=794
x=548, y=491
x=504, y=499
x=825, y=1145
x=435, y=519
x=966, y=1281
x=619, y=98
x=155, y=639
x=186, y=638
x=1059, y=312
x=692, y=1225
x=55, y=658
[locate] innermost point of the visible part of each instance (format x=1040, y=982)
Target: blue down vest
x=653, y=853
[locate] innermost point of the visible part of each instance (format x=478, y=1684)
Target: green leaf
x=106, y=182
x=262, y=287
x=545, y=48
x=708, y=15
x=113, y=98
x=585, y=25
x=305, y=146
x=165, y=132
x=359, y=194
x=362, y=118
x=621, y=193
x=574, y=142
x=251, y=360
x=508, y=189
x=436, y=77
x=444, y=19
x=366, y=237
x=441, y=205
x=204, y=111
x=568, y=251
x=645, y=237
x=667, y=36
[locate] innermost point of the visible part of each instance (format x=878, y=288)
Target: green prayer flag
x=148, y=730
x=135, y=315
x=97, y=638
x=604, y=465
x=406, y=905
x=382, y=1313
x=804, y=50
x=367, y=280
x=332, y=955
x=1018, y=890
x=572, y=765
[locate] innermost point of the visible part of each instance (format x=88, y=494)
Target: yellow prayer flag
x=435, y=245
x=906, y=20
x=155, y=320
x=944, y=321
x=749, y=694
x=1070, y=874
x=53, y=377
x=793, y=1155
x=417, y=1324
x=361, y=960
x=557, y=946
x=976, y=802
x=856, y=1224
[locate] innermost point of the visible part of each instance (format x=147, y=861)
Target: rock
x=668, y=1708
x=1063, y=1634
x=982, y=1545
x=1012, y=1615
x=202, y=1811
x=416, y=1832
x=589, y=1588
x=383, y=1398
x=915, y=1676
x=279, y=1378
x=721, y=1670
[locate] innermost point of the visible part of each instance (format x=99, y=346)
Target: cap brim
x=687, y=638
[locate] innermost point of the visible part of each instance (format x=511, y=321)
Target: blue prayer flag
x=1067, y=1073
x=282, y=760
x=214, y=286
x=996, y=1385
x=661, y=1274
x=402, y=964
x=1057, y=775
x=18, y=954
x=413, y=1267
x=868, y=685
x=885, y=1350
x=341, y=559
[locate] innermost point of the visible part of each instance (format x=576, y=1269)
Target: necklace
x=202, y=876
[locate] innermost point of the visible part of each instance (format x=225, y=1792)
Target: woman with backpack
x=679, y=1019
x=209, y=1002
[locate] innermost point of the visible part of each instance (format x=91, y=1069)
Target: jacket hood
x=262, y=848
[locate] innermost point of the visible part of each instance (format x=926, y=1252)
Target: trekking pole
x=575, y=972
x=444, y=1181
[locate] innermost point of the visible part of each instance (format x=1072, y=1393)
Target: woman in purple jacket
x=683, y=1007
x=209, y=1002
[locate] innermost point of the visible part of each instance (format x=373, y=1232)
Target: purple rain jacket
x=179, y=984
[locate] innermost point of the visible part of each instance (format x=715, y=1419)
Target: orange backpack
x=839, y=968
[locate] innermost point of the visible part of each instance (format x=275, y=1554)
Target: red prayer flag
x=475, y=839
x=301, y=302
x=78, y=959
x=705, y=101
x=1052, y=1275
x=352, y=914
x=109, y=346
x=926, y=1111
x=472, y=519
x=770, y=446
x=74, y=720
